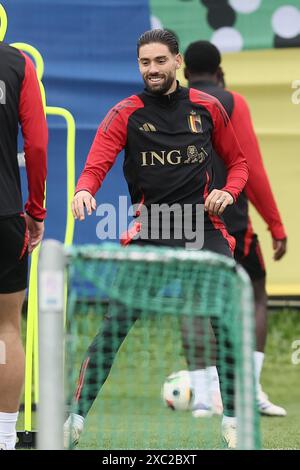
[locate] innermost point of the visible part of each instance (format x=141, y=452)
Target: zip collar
x=167, y=99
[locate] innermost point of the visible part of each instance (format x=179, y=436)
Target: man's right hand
x=36, y=232
x=279, y=247
x=83, y=199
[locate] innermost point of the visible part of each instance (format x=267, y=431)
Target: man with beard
x=168, y=133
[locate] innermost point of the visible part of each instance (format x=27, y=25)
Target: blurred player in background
x=20, y=233
x=166, y=119
x=203, y=72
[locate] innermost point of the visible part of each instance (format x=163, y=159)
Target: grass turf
x=120, y=419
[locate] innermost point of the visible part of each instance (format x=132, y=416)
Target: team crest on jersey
x=195, y=123
x=194, y=156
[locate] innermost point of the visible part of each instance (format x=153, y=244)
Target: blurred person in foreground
x=20, y=231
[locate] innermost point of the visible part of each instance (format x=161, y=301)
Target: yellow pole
x=35, y=54
x=70, y=122
x=71, y=132
x=3, y=22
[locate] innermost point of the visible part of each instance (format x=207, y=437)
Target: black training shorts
x=215, y=240
x=14, y=254
x=248, y=254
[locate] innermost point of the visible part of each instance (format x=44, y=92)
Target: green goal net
x=139, y=320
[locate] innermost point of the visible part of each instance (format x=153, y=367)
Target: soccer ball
x=177, y=391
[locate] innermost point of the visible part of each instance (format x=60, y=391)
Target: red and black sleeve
x=110, y=139
x=35, y=135
x=258, y=188
x=225, y=143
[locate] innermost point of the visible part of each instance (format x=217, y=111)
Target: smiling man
x=159, y=71
x=168, y=133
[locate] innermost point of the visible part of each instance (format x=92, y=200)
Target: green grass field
x=132, y=416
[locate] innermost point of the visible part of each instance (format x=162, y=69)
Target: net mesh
x=137, y=315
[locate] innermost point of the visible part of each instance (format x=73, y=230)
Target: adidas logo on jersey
x=147, y=127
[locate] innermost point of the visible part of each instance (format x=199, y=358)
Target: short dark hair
x=159, y=35
x=202, y=57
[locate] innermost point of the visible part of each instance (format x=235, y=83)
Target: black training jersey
x=169, y=142
x=235, y=216
x=20, y=102
x=258, y=189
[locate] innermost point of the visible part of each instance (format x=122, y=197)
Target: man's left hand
x=36, y=232
x=217, y=201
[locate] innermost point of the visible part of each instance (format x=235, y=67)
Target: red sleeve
x=258, y=188
x=35, y=134
x=225, y=143
x=110, y=139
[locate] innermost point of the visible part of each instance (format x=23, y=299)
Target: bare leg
x=199, y=342
x=260, y=298
x=12, y=371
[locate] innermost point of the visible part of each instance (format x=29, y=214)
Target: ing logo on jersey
x=195, y=123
